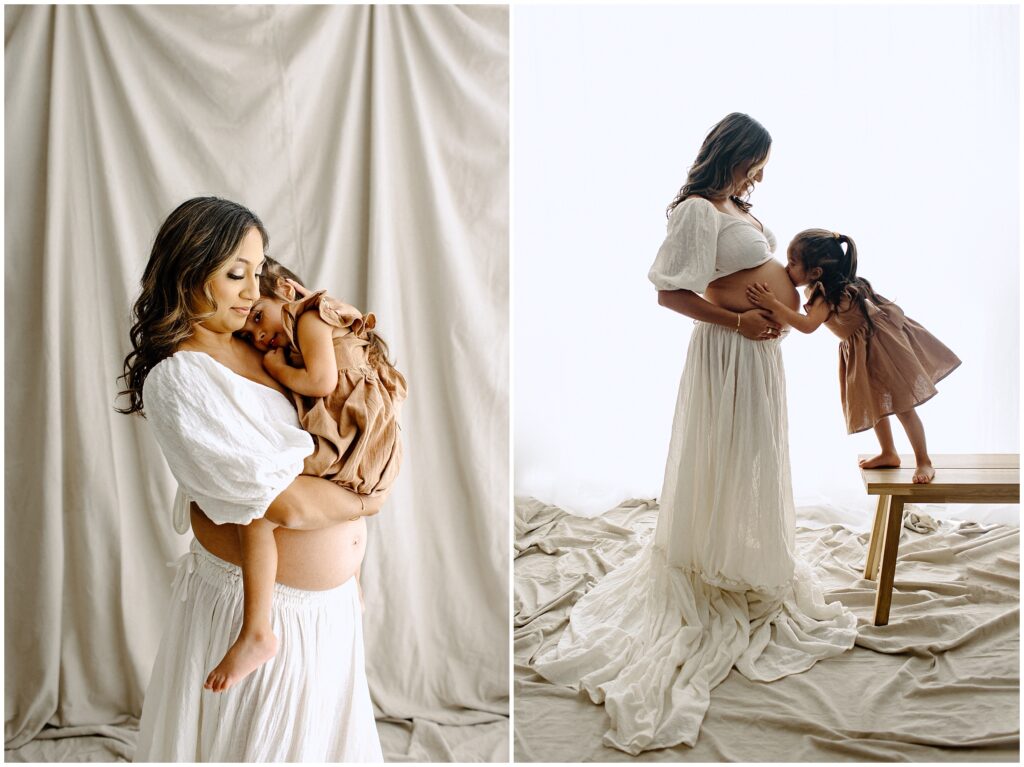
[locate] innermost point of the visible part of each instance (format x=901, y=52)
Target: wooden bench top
x=963, y=478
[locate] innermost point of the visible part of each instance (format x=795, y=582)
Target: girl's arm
x=761, y=295
x=320, y=375
x=310, y=503
x=752, y=323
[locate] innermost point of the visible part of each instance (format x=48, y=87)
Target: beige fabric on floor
x=401, y=740
x=940, y=683
x=373, y=142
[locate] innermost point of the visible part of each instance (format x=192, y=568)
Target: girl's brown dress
x=355, y=428
x=890, y=370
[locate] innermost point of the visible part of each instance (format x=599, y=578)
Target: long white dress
x=233, y=445
x=720, y=583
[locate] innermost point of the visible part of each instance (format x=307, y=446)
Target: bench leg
x=890, y=548
x=875, y=541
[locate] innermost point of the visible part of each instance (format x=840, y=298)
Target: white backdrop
x=895, y=125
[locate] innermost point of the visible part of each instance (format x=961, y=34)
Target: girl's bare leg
x=256, y=643
x=924, y=473
x=888, y=457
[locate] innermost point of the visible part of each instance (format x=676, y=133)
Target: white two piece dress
x=233, y=445
x=720, y=584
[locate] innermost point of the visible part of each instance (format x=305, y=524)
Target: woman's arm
x=752, y=323
x=817, y=313
x=311, y=503
x=319, y=377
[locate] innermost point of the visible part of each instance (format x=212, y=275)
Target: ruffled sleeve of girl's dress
x=686, y=259
x=335, y=313
x=233, y=445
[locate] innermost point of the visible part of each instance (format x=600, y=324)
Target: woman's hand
x=758, y=325
x=300, y=290
x=761, y=295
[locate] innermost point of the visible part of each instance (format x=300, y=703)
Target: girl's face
x=263, y=328
x=235, y=286
x=798, y=273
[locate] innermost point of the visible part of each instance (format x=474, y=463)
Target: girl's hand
x=758, y=325
x=761, y=295
x=274, y=361
x=300, y=290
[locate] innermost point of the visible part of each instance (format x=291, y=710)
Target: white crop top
x=704, y=244
x=232, y=444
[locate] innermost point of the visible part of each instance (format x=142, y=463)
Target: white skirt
x=309, y=703
x=720, y=583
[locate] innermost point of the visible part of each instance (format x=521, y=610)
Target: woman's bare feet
x=923, y=474
x=250, y=651
x=881, y=461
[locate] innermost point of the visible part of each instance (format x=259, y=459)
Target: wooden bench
x=978, y=478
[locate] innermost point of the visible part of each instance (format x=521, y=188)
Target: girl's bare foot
x=881, y=461
x=923, y=474
x=248, y=653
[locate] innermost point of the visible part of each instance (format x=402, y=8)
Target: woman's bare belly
x=313, y=560
x=730, y=292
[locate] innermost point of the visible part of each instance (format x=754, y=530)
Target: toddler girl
x=887, y=362
x=347, y=394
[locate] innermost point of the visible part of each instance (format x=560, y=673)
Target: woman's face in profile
x=753, y=174
x=235, y=286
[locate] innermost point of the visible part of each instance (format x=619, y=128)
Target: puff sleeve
x=231, y=446
x=686, y=259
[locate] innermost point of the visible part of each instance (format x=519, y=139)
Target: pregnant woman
x=232, y=439
x=721, y=583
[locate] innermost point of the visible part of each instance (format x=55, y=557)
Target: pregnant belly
x=730, y=291
x=307, y=559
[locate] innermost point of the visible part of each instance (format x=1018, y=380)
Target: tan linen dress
x=888, y=371
x=355, y=428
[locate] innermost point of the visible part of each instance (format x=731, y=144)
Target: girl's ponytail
x=850, y=256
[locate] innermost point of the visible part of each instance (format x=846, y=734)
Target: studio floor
x=401, y=741
x=939, y=683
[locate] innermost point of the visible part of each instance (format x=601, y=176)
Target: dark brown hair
x=274, y=272
x=193, y=243
x=823, y=249
x=737, y=142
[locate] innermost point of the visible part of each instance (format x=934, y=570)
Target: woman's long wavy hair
x=824, y=249
x=193, y=244
x=737, y=142
x=274, y=272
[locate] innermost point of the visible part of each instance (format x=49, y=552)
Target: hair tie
x=836, y=235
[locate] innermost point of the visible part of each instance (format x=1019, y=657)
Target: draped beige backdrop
x=373, y=142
